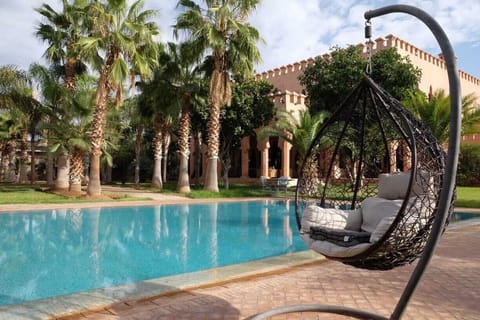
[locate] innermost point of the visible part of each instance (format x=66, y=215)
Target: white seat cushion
x=317, y=216
x=332, y=250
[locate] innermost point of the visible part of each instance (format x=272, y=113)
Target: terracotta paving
x=450, y=290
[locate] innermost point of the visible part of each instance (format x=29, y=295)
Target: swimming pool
x=63, y=251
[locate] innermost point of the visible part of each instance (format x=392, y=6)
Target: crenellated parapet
x=434, y=69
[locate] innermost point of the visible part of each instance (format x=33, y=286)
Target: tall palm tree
x=182, y=75
x=221, y=31
x=434, y=111
x=61, y=30
x=120, y=37
x=157, y=102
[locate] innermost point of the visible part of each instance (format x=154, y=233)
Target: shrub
x=468, y=173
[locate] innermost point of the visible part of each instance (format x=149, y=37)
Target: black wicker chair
x=358, y=138
x=361, y=140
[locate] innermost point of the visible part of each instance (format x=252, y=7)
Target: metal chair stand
x=448, y=184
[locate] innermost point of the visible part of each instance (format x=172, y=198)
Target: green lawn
x=467, y=197
x=26, y=194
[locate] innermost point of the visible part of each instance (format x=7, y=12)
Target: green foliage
x=251, y=109
x=220, y=29
x=468, y=173
x=434, y=111
x=331, y=78
x=395, y=73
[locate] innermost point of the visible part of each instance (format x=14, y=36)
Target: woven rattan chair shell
x=352, y=148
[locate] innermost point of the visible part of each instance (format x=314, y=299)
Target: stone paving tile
x=450, y=289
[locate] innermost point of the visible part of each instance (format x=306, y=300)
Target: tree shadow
x=141, y=300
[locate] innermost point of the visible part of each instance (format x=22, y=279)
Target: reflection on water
x=62, y=251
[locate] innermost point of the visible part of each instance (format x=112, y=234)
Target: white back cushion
x=375, y=209
x=393, y=185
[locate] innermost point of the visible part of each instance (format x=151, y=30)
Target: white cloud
x=293, y=29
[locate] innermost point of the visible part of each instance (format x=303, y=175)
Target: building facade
x=275, y=157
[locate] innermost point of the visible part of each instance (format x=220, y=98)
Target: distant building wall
x=434, y=68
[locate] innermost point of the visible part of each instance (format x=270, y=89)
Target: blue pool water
x=63, y=251
x=461, y=216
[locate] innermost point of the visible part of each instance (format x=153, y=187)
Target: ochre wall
x=434, y=73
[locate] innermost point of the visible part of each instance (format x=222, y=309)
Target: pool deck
x=450, y=288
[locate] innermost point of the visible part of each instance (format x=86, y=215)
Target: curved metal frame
x=447, y=186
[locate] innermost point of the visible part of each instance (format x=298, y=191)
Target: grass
x=27, y=194
x=467, y=197
x=234, y=191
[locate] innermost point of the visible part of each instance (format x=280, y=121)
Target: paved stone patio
x=450, y=290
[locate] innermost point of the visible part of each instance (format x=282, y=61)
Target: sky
x=292, y=30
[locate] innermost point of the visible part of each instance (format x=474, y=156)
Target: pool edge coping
x=147, y=290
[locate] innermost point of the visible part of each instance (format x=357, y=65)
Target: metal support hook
x=368, y=44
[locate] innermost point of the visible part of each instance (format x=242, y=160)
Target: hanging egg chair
x=352, y=204
x=376, y=188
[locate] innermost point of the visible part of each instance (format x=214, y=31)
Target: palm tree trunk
x=23, y=157
x=166, y=138
x=98, y=125
x=138, y=150
x=76, y=170
x=309, y=184
x=50, y=182
x=70, y=65
x=198, y=156
x=2, y=158
x=33, y=171
x=183, y=184
x=157, y=155
x=63, y=169
x=10, y=175
x=220, y=94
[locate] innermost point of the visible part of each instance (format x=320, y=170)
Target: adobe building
x=275, y=157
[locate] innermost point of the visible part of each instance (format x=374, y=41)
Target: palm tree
x=175, y=89
x=69, y=120
x=61, y=30
x=16, y=96
x=120, y=37
x=182, y=75
x=434, y=111
x=221, y=31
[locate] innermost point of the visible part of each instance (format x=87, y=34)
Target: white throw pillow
x=375, y=209
x=318, y=216
x=354, y=220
